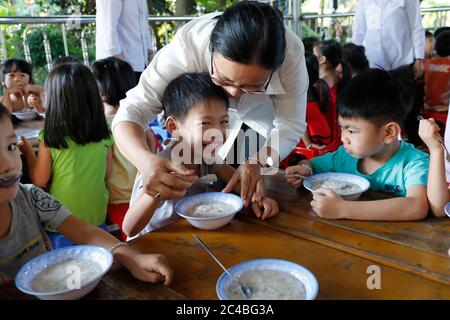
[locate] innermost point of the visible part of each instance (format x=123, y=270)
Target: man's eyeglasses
x=221, y=83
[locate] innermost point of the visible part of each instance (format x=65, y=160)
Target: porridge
x=338, y=186
x=269, y=285
x=55, y=278
x=212, y=210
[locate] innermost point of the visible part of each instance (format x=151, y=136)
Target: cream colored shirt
x=120, y=184
x=282, y=109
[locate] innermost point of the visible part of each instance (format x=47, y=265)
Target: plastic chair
x=58, y=240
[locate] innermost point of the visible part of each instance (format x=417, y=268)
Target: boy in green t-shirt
x=372, y=107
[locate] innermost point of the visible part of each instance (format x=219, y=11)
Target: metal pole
x=3, y=45
x=64, y=34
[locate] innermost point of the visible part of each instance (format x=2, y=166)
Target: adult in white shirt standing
x=393, y=36
x=122, y=31
x=391, y=32
x=250, y=54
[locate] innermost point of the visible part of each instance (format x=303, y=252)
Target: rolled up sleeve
x=107, y=19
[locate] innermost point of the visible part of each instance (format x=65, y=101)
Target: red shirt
x=437, y=81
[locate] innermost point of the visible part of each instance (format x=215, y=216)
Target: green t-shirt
x=407, y=167
x=78, y=179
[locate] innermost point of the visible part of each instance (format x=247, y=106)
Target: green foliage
x=13, y=33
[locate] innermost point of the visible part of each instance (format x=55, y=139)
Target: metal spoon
x=447, y=154
x=9, y=181
x=310, y=179
x=208, y=179
x=245, y=290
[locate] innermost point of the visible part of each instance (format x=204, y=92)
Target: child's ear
x=392, y=130
x=171, y=124
x=322, y=60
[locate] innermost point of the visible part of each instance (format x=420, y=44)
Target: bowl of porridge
x=26, y=114
x=269, y=279
x=348, y=186
x=209, y=210
x=64, y=274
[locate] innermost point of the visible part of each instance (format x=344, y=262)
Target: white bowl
x=361, y=182
x=447, y=209
x=187, y=205
x=303, y=275
x=26, y=115
x=32, y=268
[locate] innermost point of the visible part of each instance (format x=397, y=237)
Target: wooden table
x=412, y=256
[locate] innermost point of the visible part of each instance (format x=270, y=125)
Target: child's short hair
x=378, y=96
x=442, y=45
x=114, y=78
x=309, y=43
x=355, y=57
x=15, y=64
x=187, y=90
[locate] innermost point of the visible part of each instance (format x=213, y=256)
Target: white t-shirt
x=283, y=107
x=122, y=27
x=391, y=31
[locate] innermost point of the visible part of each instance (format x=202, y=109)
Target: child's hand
x=17, y=89
x=266, y=208
x=150, y=268
x=429, y=133
x=24, y=145
x=34, y=101
x=294, y=181
x=326, y=204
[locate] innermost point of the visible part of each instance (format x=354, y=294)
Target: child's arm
x=437, y=190
x=40, y=167
x=414, y=206
x=145, y=267
x=109, y=166
x=139, y=214
x=6, y=99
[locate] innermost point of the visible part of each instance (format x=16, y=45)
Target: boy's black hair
x=4, y=112
x=355, y=57
x=74, y=107
x=378, y=96
x=440, y=30
x=15, y=64
x=66, y=59
x=318, y=88
x=250, y=32
x=309, y=43
x=428, y=34
x=442, y=45
x=187, y=90
x=114, y=78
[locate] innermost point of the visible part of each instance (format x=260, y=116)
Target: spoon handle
x=212, y=255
